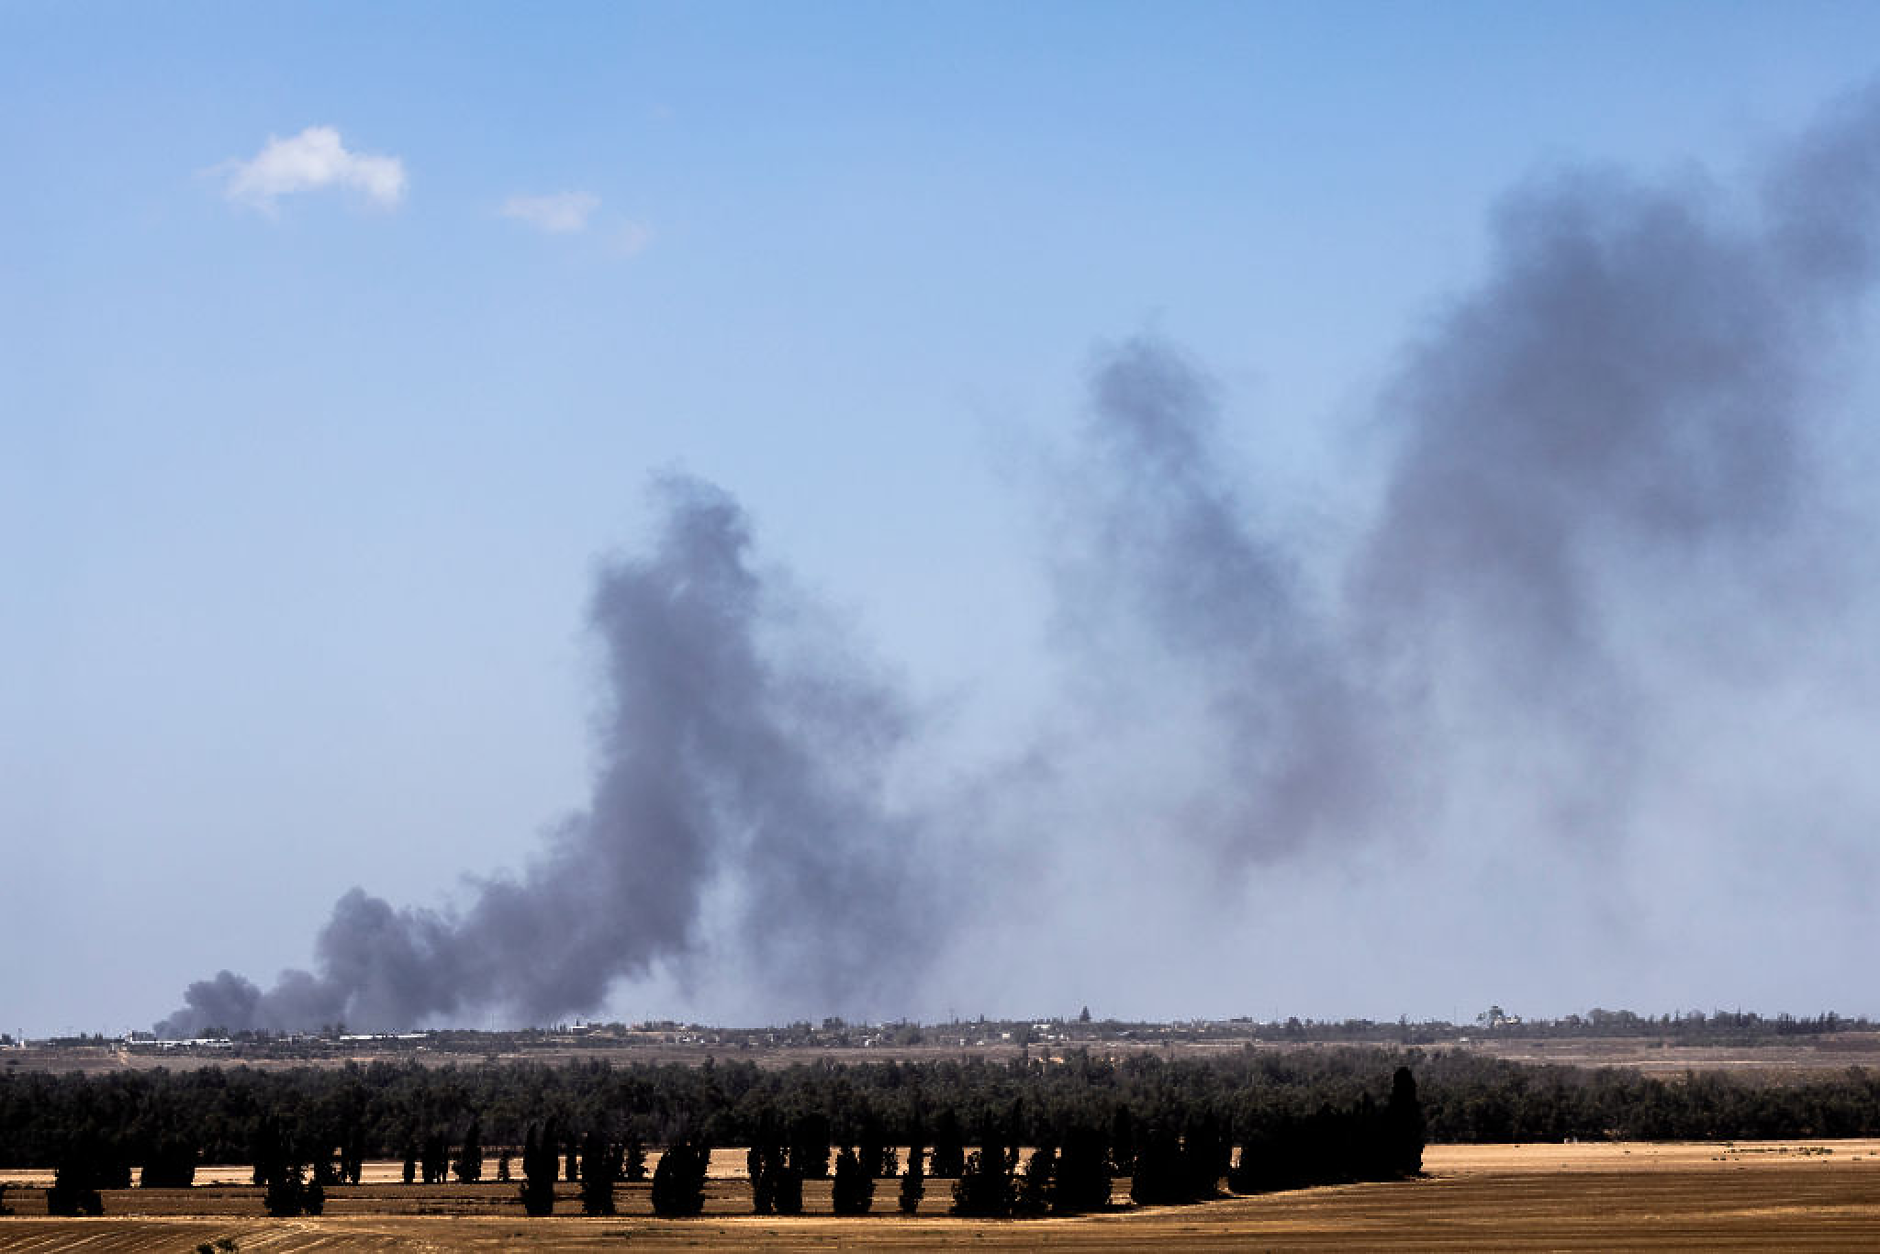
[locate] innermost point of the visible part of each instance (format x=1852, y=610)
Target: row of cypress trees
x=1167, y=1162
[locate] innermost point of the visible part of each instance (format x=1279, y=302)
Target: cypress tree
x=913, y=1181
x=809, y=1145
x=984, y=1189
x=74, y=1188
x=1403, y=1125
x=286, y=1191
x=635, y=1162
x=1083, y=1177
x=469, y=1166
x=949, y=1146
x=1034, y=1187
x=854, y=1190
x=599, y=1166
x=538, y=1171
x=679, y=1180
x=786, y=1187
x=169, y=1164
x=757, y=1168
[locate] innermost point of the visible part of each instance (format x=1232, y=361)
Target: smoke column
x=1602, y=461
x=734, y=757
x=1616, y=437
x=1168, y=579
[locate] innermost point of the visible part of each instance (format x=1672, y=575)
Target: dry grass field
x=1746, y=1196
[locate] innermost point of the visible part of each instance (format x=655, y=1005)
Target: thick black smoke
x=735, y=758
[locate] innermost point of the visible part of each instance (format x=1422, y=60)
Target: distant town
x=1495, y=1030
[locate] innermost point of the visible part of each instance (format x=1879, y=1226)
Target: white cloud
x=309, y=161
x=559, y=214
x=631, y=239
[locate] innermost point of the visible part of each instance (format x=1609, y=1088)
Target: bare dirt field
x=1794, y=1195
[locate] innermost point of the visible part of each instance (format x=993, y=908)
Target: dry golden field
x=1795, y=1195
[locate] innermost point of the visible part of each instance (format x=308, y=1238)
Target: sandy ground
x=1782, y=1195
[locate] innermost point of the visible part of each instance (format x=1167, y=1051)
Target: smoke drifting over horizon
x=1603, y=459
x=726, y=754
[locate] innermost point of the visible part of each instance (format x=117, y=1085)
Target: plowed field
x=1774, y=1196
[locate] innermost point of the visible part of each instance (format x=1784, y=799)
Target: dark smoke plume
x=734, y=757
x=1602, y=461
x=1611, y=437
x=1166, y=547
x=1622, y=422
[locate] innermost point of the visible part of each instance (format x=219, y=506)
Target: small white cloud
x=631, y=239
x=309, y=161
x=560, y=214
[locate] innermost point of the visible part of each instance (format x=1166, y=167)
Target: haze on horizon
x=742, y=515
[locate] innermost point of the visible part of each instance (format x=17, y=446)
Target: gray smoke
x=1607, y=456
x=736, y=757
x=1616, y=440
x=1168, y=576
x=1609, y=445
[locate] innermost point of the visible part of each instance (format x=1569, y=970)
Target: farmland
x=1794, y=1195
x=1597, y=1167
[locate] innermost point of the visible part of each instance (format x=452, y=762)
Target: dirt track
x=1778, y=1195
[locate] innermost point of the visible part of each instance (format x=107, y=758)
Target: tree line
x=1275, y=1105
x=1168, y=1161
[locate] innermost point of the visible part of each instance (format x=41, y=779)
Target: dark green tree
x=81, y=1173
x=469, y=1164
x=169, y=1164
x=1033, y=1194
x=872, y=1146
x=757, y=1160
x=264, y=1149
x=949, y=1146
x=679, y=1180
x=809, y=1145
x=436, y=1160
x=1404, y=1131
x=984, y=1189
x=600, y=1164
x=1123, y=1143
x=1161, y=1177
x=786, y=1188
x=290, y=1193
x=352, y=1154
x=913, y=1181
x=538, y=1171
x=854, y=1189
x=1082, y=1179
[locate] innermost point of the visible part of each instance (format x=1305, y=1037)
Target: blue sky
x=303, y=485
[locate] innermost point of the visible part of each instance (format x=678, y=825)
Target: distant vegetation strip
x=230, y=1114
